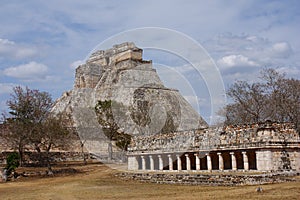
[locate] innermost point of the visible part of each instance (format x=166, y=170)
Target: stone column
x=209, y=164
x=132, y=163
x=170, y=162
x=233, y=161
x=160, y=162
x=221, y=162
x=151, y=162
x=178, y=162
x=143, y=163
x=245, y=160
x=197, y=161
x=188, y=162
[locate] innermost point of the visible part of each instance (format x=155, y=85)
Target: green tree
x=12, y=162
x=108, y=121
x=27, y=108
x=30, y=124
x=53, y=134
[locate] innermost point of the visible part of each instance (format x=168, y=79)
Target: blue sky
x=42, y=41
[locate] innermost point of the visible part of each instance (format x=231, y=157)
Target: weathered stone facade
x=263, y=147
x=121, y=75
x=215, y=179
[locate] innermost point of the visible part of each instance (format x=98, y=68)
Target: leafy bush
x=12, y=162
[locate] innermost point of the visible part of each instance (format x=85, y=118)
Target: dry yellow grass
x=100, y=183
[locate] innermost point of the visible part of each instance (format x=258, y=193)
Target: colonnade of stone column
x=221, y=161
x=170, y=162
x=134, y=164
x=245, y=159
x=179, y=166
x=233, y=161
x=209, y=163
x=160, y=162
x=197, y=161
x=151, y=162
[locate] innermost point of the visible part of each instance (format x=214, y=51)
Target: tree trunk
x=21, y=154
x=123, y=155
x=110, y=151
x=41, y=160
x=50, y=172
x=82, y=152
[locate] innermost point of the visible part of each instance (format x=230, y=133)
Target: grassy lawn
x=98, y=182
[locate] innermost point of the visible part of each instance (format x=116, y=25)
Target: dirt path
x=99, y=182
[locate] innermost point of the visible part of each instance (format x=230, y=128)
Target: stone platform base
x=210, y=179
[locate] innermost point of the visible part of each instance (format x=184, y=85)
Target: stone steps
x=209, y=179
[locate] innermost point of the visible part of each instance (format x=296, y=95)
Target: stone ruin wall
x=31, y=156
x=270, y=146
x=209, y=179
x=246, y=136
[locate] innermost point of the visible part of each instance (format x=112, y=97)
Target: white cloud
x=68, y=32
x=236, y=61
x=9, y=49
x=6, y=42
x=281, y=50
x=255, y=48
x=6, y=88
x=290, y=71
x=240, y=57
x=76, y=63
x=31, y=71
x=3, y=106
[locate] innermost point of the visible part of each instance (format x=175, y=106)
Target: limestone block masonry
x=221, y=179
x=265, y=147
x=121, y=75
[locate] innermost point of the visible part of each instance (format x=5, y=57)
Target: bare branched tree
x=275, y=98
x=250, y=98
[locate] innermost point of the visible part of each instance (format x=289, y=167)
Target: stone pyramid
x=121, y=75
